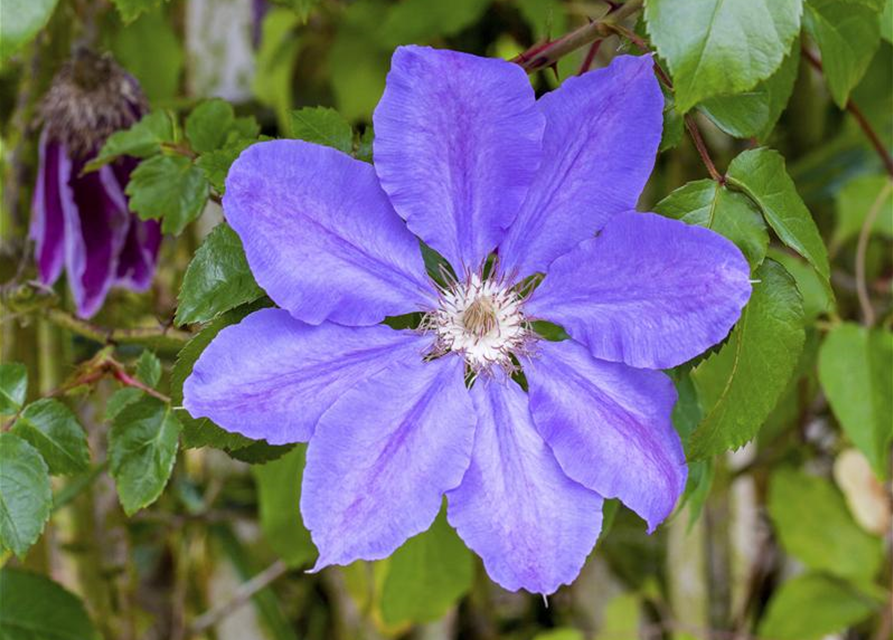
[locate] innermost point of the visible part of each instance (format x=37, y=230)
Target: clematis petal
x=457, y=143
x=96, y=224
x=602, y=133
x=609, y=427
x=648, y=291
x=532, y=525
x=47, y=223
x=139, y=255
x=320, y=235
x=382, y=457
x=272, y=376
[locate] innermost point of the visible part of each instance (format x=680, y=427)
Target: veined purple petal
x=602, y=133
x=531, y=524
x=321, y=236
x=47, y=222
x=272, y=376
x=609, y=427
x=382, y=457
x=139, y=255
x=648, y=291
x=457, y=143
x=96, y=224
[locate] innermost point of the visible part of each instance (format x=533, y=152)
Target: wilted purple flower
x=473, y=163
x=81, y=220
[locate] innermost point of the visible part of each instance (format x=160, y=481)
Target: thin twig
x=241, y=595
x=856, y=112
x=590, y=56
x=868, y=315
x=162, y=337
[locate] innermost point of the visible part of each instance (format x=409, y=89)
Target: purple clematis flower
x=80, y=221
x=470, y=162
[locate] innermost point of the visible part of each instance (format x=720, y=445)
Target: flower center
x=482, y=319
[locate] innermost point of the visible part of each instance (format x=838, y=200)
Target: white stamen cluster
x=482, y=319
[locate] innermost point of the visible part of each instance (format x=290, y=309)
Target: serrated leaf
x=218, y=279
x=141, y=140
x=753, y=113
x=142, y=450
x=210, y=123
x=148, y=368
x=857, y=377
x=130, y=10
x=215, y=164
x=814, y=606
x=259, y=452
x=120, y=399
x=719, y=47
x=21, y=21
x=55, y=432
x=25, y=494
x=13, y=387
x=36, y=608
x=426, y=576
x=739, y=385
x=322, y=125
x=170, y=188
x=279, y=497
x=814, y=525
x=816, y=299
x=708, y=204
x=761, y=174
x=854, y=202
x=848, y=34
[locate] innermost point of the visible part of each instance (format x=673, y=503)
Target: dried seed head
x=90, y=98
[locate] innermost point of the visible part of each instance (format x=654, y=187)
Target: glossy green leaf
x=218, y=279
x=20, y=22
x=718, y=47
x=130, y=10
x=13, y=387
x=322, y=125
x=856, y=372
x=855, y=201
x=148, y=368
x=25, y=494
x=142, y=450
x=848, y=34
x=427, y=575
x=150, y=49
x=279, y=497
x=817, y=300
x=739, y=385
x=170, y=188
x=708, y=204
x=761, y=174
x=215, y=164
x=753, y=113
x=814, y=525
x=36, y=608
x=812, y=607
x=55, y=432
x=141, y=140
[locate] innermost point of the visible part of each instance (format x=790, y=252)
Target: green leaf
x=421, y=20
x=142, y=450
x=168, y=187
x=218, y=278
x=141, y=140
x=855, y=372
x=817, y=300
x=13, y=387
x=739, y=385
x=276, y=59
x=148, y=368
x=120, y=399
x=25, y=494
x=887, y=22
x=848, y=34
x=853, y=204
x=708, y=204
x=761, y=174
x=813, y=606
x=55, y=432
x=259, y=452
x=322, y=126
x=674, y=123
x=21, y=20
x=814, y=525
x=364, y=147
x=130, y=10
x=215, y=164
x=753, y=114
x=718, y=47
x=209, y=124
x=279, y=497
x=36, y=608
x=150, y=49
x=427, y=575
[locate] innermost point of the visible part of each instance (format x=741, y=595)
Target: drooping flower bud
x=81, y=221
